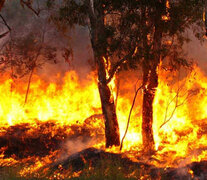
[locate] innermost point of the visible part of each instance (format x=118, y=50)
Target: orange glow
x=204, y=16
x=168, y=4
x=65, y=104
x=167, y=16
x=180, y=116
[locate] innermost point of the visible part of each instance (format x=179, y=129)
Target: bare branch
x=176, y=105
x=114, y=69
x=28, y=3
x=130, y=112
x=5, y=23
x=4, y=34
x=187, y=94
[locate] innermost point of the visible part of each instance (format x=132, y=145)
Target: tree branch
x=29, y=5
x=5, y=23
x=187, y=94
x=117, y=65
x=4, y=34
x=130, y=112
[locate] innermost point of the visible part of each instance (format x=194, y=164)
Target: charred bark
x=28, y=85
x=150, y=80
x=109, y=112
x=147, y=110
x=99, y=45
x=108, y=106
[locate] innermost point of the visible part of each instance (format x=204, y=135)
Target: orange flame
x=180, y=115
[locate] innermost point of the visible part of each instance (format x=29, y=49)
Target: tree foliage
x=26, y=53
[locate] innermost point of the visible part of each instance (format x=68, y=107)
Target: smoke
x=82, y=50
x=78, y=145
x=75, y=145
x=22, y=21
x=197, y=50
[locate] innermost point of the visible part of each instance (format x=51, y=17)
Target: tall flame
x=180, y=116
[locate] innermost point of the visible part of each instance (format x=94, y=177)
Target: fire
x=167, y=16
x=66, y=104
x=191, y=172
x=180, y=115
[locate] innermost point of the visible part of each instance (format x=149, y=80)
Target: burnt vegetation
x=144, y=38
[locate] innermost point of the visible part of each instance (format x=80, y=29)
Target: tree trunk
x=109, y=112
x=150, y=81
x=147, y=110
x=28, y=86
x=108, y=106
x=117, y=89
x=206, y=16
x=96, y=15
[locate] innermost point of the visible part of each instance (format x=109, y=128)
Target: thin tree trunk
x=28, y=86
x=33, y=68
x=117, y=90
x=205, y=15
x=130, y=112
x=12, y=77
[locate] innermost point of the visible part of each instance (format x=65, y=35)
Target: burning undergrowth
x=37, y=146
x=24, y=140
x=62, y=147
